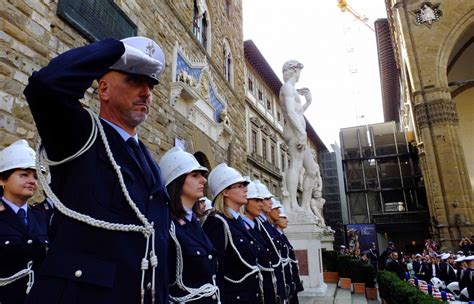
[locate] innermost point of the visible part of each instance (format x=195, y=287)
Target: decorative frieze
x=439, y=113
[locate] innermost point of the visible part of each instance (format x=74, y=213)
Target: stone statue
x=295, y=137
x=317, y=204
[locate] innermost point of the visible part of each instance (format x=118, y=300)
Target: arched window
x=228, y=64
x=201, y=22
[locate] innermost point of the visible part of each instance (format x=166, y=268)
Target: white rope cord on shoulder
x=206, y=290
x=28, y=271
x=147, y=229
x=253, y=269
x=261, y=227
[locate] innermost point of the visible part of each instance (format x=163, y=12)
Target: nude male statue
x=295, y=135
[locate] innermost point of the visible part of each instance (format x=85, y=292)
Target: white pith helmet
x=276, y=204
x=142, y=56
x=207, y=203
x=283, y=213
x=253, y=190
x=264, y=191
x=223, y=176
x=177, y=162
x=18, y=155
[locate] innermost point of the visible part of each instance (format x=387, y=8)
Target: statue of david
x=294, y=133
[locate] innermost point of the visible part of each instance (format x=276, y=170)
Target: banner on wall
x=360, y=236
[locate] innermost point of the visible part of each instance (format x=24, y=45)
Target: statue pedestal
x=307, y=240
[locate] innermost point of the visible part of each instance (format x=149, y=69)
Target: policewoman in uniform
x=111, y=217
x=192, y=257
x=238, y=275
x=252, y=211
x=274, y=243
x=23, y=228
x=297, y=285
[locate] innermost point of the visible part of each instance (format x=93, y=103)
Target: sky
x=339, y=54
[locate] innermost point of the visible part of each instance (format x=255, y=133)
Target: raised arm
x=53, y=95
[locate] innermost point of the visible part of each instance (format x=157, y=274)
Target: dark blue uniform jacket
x=248, y=291
x=18, y=246
x=275, y=238
x=199, y=259
x=87, y=264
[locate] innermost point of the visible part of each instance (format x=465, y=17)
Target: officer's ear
x=103, y=88
x=225, y=193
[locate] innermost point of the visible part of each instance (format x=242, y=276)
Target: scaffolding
x=381, y=175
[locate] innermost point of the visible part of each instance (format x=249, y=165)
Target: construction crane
x=342, y=4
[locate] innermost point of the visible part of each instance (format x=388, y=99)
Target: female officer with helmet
x=23, y=229
x=238, y=275
x=193, y=261
x=252, y=210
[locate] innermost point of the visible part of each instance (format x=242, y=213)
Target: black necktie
x=22, y=216
x=241, y=221
x=146, y=170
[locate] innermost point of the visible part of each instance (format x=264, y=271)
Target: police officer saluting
x=193, y=259
x=238, y=275
x=23, y=229
x=111, y=216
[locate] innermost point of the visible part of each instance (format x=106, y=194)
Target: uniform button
x=268, y=249
x=241, y=240
x=238, y=297
x=214, y=297
x=78, y=273
x=251, y=242
x=7, y=242
x=151, y=197
x=257, y=294
x=209, y=257
x=30, y=242
x=148, y=286
x=256, y=277
x=198, y=252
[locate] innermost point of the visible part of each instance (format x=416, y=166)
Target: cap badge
x=150, y=49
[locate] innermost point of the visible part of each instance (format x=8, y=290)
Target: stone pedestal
x=306, y=238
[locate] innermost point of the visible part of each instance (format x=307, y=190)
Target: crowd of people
x=116, y=227
x=436, y=268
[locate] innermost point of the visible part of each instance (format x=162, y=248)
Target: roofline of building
x=255, y=58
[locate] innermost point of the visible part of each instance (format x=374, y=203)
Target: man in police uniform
x=467, y=279
x=90, y=261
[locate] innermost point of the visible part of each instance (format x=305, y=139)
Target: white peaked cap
x=142, y=56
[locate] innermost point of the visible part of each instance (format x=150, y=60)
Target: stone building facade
x=200, y=99
x=434, y=50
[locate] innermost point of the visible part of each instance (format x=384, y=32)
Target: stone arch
x=449, y=44
x=202, y=159
x=460, y=79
